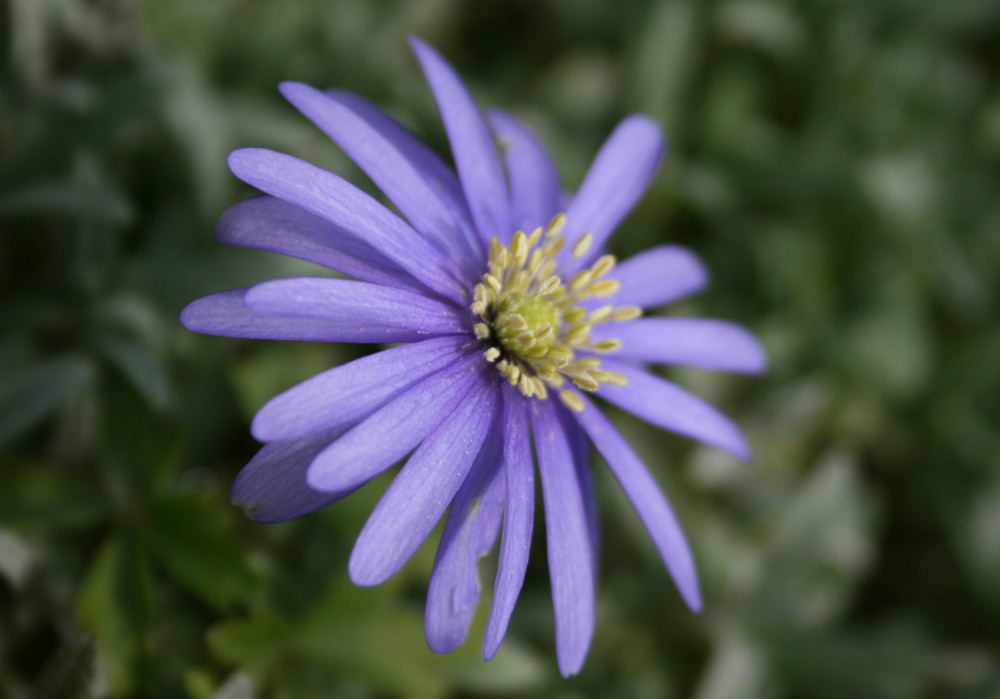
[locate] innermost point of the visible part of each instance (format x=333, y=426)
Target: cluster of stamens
x=531, y=318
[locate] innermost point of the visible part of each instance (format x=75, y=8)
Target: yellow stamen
x=582, y=246
x=530, y=314
x=556, y=224
x=586, y=382
x=604, y=264
x=571, y=401
x=612, y=378
x=600, y=315
x=581, y=280
x=526, y=385
x=535, y=236
x=606, y=345
x=626, y=313
x=605, y=287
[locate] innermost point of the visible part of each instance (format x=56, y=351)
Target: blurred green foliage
x=835, y=162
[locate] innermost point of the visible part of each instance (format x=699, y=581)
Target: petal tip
x=259, y=427
x=695, y=603
x=570, y=664
x=362, y=572
x=418, y=45
x=700, y=277
x=323, y=475
x=742, y=451
x=318, y=475
x=186, y=316
x=293, y=89
x=429, y=58
x=242, y=161
x=489, y=650
x=241, y=494
x=639, y=120
x=691, y=593
x=760, y=363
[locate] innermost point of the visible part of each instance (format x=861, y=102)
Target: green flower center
x=529, y=314
x=536, y=335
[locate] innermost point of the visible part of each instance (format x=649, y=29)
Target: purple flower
x=510, y=314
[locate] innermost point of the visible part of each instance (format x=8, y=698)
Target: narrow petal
x=470, y=533
x=647, y=499
x=580, y=448
x=225, y=314
x=389, y=433
x=472, y=144
x=364, y=312
x=272, y=486
x=665, y=405
x=519, y=517
x=659, y=275
x=349, y=392
x=267, y=223
x=427, y=208
x=571, y=564
x=534, y=180
x=432, y=168
x=619, y=176
x=336, y=200
x=422, y=491
x=697, y=342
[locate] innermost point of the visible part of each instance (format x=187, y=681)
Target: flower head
x=511, y=315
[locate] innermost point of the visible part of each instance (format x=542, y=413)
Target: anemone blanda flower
x=511, y=315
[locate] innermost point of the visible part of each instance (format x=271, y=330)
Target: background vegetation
x=836, y=163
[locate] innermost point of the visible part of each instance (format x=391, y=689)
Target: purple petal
x=580, y=447
x=471, y=530
x=267, y=223
x=698, y=342
x=665, y=405
x=272, y=487
x=430, y=165
x=647, y=499
x=336, y=200
x=389, y=433
x=659, y=275
x=534, y=181
x=619, y=176
x=472, y=145
x=225, y=314
x=427, y=207
x=363, y=312
x=424, y=488
x=519, y=518
x=571, y=563
x=349, y=392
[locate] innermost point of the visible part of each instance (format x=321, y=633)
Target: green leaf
x=191, y=538
x=77, y=199
x=32, y=396
x=667, y=50
x=373, y=639
x=273, y=368
x=143, y=369
x=69, y=674
x=822, y=542
x=36, y=495
x=132, y=314
x=239, y=686
x=115, y=604
x=248, y=643
x=16, y=558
